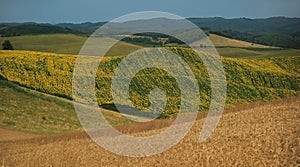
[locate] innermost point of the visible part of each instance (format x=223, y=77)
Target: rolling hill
x=248, y=80
x=38, y=124
x=274, y=31
x=263, y=134
x=266, y=25
x=257, y=52
x=87, y=27
x=34, y=112
x=61, y=43
x=71, y=44
x=263, y=25
x=7, y=30
x=220, y=41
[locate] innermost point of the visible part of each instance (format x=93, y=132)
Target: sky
x=77, y=11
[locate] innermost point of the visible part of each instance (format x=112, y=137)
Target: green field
x=61, y=43
x=238, y=52
x=31, y=111
x=56, y=43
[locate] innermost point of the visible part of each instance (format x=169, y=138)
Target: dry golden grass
x=9, y=135
x=260, y=134
x=223, y=41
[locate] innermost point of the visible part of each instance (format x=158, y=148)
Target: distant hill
x=272, y=39
x=7, y=30
x=267, y=25
x=220, y=41
x=274, y=31
x=86, y=27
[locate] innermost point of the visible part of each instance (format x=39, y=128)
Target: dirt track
x=267, y=134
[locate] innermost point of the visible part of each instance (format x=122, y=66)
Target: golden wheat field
x=260, y=134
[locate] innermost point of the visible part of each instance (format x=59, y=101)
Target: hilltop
x=61, y=43
x=220, y=41
x=7, y=30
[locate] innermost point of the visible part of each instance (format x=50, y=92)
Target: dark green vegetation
x=249, y=80
x=86, y=27
x=7, y=30
x=143, y=41
x=272, y=24
x=155, y=39
x=7, y=45
x=274, y=31
x=285, y=40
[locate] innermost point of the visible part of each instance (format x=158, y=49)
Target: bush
x=7, y=45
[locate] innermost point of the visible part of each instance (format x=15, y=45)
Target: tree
x=7, y=45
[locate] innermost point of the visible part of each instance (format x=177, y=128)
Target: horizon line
x=192, y=17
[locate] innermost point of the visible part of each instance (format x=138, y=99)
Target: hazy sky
x=55, y=11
